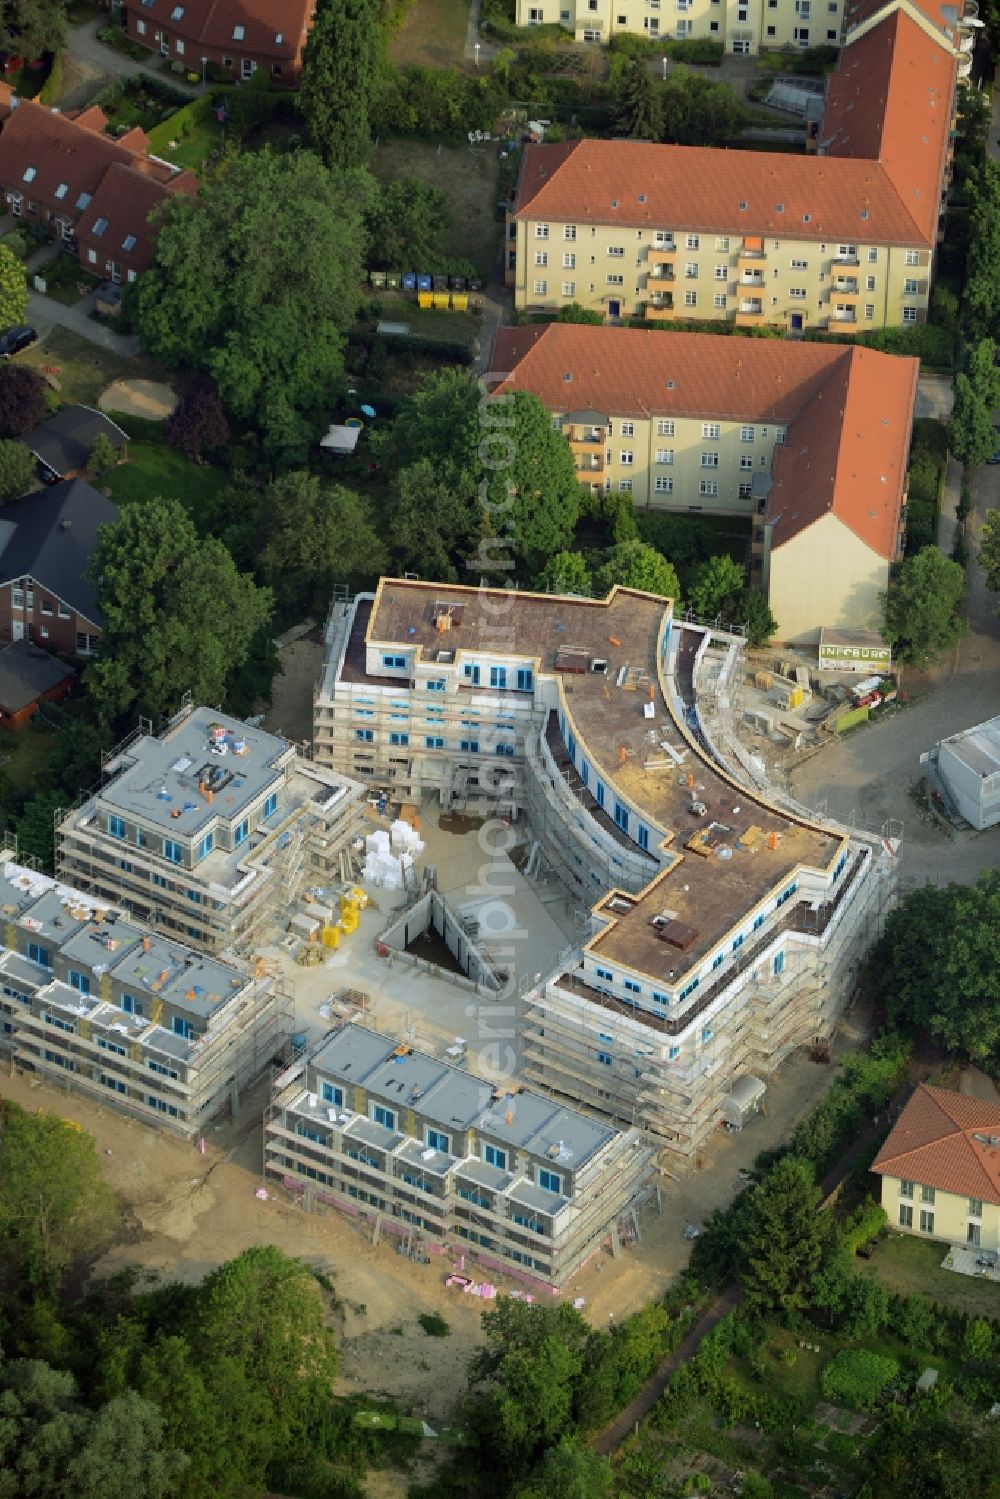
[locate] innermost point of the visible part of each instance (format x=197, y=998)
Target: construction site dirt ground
x=186, y=1213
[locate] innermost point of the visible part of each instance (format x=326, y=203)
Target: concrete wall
x=826, y=575
x=431, y=914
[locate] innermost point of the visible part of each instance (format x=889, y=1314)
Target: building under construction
x=727, y=924
x=209, y=830
x=149, y=1026
x=423, y=1150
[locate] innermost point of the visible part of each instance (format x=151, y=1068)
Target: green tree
x=979, y=1340
x=787, y=1239
x=22, y=399
x=751, y=610
x=317, y=532
x=407, y=225
x=339, y=72
x=858, y=1377
x=718, y=583
x=55, y=1209
x=638, y=111
x=13, y=285
x=980, y=366
x=30, y=28
x=570, y=1471
x=435, y=524
x=103, y=456
x=982, y=286
x=937, y=967
x=635, y=564
x=923, y=607
x=573, y=312
x=566, y=572
x=973, y=439
x=270, y=247
x=36, y=828
x=177, y=615
x=989, y=549
x=698, y=111
x=17, y=470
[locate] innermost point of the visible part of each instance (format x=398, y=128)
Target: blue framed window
x=308, y=1133
x=80, y=981
x=241, y=833
x=434, y=741
x=271, y=805
x=140, y=839
x=116, y=827
x=171, y=851
x=600, y=793
x=114, y=1083
x=737, y=942
x=779, y=961
x=689, y=988
x=114, y=1046
x=397, y=663
x=163, y=1071
x=58, y=1060
x=384, y=1116
x=585, y=772
x=786, y=894
x=505, y=751
x=40, y=955
x=642, y=838
x=525, y=679
x=604, y=1036
x=494, y=1156
x=840, y=866
x=330, y=1093
x=604, y=1057
x=470, y=746
x=161, y=1104
x=438, y=1140
x=364, y=736
x=621, y=817
x=758, y=922
x=673, y=1053
x=498, y=677
x=706, y=1033
x=660, y=999
x=364, y=713
x=718, y=960
x=206, y=845
x=470, y=671
x=397, y=738
x=437, y=685
x=161, y=882
x=131, y=1005
x=194, y=896
x=604, y=973
x=182, y=1027
x=549, y=1181
x=633, y=987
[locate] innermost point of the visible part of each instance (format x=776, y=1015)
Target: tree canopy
x=973, y=439
x=989, y=549
x=339, y=72
x=13, y=286
x=638, y=109
x=923, y=607
x=787, y=1238
x=30, y=28
x=937, y=967
x=177, y=614
x=255, y=281
x=17, y=470
x=22, y=399
x=636, y=564
x=406, y=226
x=717, y=585
x=566, y=572
x=699, y=111
x=313, y=533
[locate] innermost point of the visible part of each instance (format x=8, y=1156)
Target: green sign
x=873, y=653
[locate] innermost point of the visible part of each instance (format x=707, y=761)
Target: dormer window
x=99, y=228
x=238, y=33
x=30, y=173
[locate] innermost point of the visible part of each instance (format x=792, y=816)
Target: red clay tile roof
x=125, y=201
x=939, y=13
x=890, y=101
x=880, y=183
x=846, y=453
x=942, y=1140
x=263, y=21
x=6, y=99
x=93, y=118
x=848, y=410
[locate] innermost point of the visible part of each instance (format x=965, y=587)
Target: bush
x=865, y=1223
x=22, y=399
x=695, y=49
x=198, y=425
x=930, y=344
x=52, y=87
x=434, y=1325
x=858, y=1377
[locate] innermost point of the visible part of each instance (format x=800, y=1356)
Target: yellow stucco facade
x=669, y=275
x=929, y=1213
x=824, y=575
x=741, y=26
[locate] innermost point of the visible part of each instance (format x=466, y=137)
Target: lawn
x=193, y=149
x=432, y=34
x=910, y=1266
x=467, y=175
x=82, y=368
x=154, y=468
x=425, y=322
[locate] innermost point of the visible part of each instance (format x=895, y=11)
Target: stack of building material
x=389, y=856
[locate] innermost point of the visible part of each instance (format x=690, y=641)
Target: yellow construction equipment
x=349, y=917
x=330, y=935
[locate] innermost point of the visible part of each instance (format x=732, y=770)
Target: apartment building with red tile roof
x=940, y=1168
x=240, y=36
x=810, y=440
x=842, y=237
x=67, y=175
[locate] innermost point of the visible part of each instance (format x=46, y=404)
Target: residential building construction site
x=522, y=931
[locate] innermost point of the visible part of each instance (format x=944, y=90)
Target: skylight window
x=30, y=173
x=238, y=33
x=62, y=189
x=177, y=12
x=83, y=200
x=99, y=228
x=279, y=38
x=128, y=243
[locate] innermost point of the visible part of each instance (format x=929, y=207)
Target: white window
x=238, y=33
x=709, y=460
x=541, y=288
x=617, y=251
x=926, y=1221
x=616, y=280
x=869, y=312
x=663, y=239
x=909, y=314
x=569, y=231
x=747, y=434
x=665, y=427
x=664, y=455
x=721, y=273
x=746, y=460
x=626, y=457
x=722, y=243
x=628, y=429
x=798, y=292
x=708, y=486
x=869, y=283
x=873, y=256
x=693, y=241
x=541, y=257
x=569, y=288
x=802, y=35
x=541, y=231
x=909, y=287
x=780, y=433
x=624, y=486
x=847, y=252
x=799, y=265
x=719, y=299
x=569, y=261
x=912, y=257
x=746, y=491
x=711, y=429
x=140, y=27
x=905, y=1215
x=180, y=47
x=664, y=485
x=691, y=270
x=690, y=299
x=92, y=257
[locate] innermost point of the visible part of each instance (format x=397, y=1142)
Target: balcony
x=751, y=259
x=750, y=314
x=843, y=315
x=845, y=286
x=661, y=252
x=659, y=312
x=846, y=259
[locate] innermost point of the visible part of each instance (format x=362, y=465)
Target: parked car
x=16, y=339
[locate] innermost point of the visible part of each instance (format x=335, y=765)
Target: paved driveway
x=44, y=314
